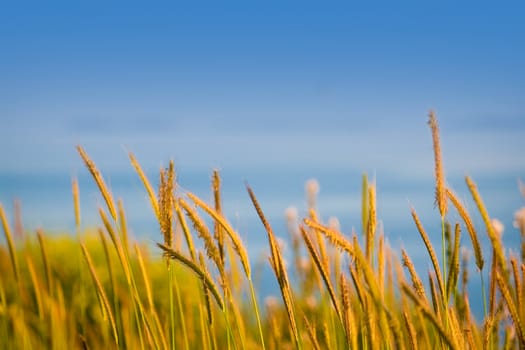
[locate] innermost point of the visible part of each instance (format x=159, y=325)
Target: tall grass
x=101, y=289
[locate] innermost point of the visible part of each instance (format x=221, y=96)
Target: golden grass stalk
x=492, y=287
x=277, y=264
x=36, y=286
x=206, y=290
x=522, y=290
x=441, y=197
x=429, y=315
x=116, y=243
x=394, y=328
x=103, y=300
x=202, y=230
x=335, y=237
x=495, y=240
x=123, y=226
x=320, y=241
x=417, y=284
x=203, y=275
x=371, y=224
x=218, y=234
x=130, y=279
x=113, y=283
x=348, y=322
x=371, y=325
x=411, y=331
x=145, y=277
x=517, y=283
x=457, y=332
x=146, y=183
x=10, y=244
x=45, y=259
x=310, y=330
x=375, y=293
x=149, y=296
x=434, y=294
x=518, y=324
x=381, y=264
x=185, y=230
x=165, y=203
x=454, y=264
x=76, y=204
x=358, y=286
x=431, y=252
x=99, y=180
x=324, y=274
x=470, y=327
x=364, y=203
x=462, y=211
x=353, y=249
x=235, y=239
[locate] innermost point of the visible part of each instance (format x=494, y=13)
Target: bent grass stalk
x=276, y=261
x=103, y=300
x=239, y=249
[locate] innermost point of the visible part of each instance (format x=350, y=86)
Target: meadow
x=100, y=289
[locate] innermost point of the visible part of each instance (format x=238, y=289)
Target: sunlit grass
x=98, y=289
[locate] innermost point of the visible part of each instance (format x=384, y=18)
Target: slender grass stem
x=257, y=315
x=444, y=257
x=174, y=282
x=483, y=293
x=172, y=312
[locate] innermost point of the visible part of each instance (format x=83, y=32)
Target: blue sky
x=270, y=92
x=263, y=85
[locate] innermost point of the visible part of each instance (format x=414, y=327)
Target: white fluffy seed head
x=498, y=227
x=519, y=220
x=333, y=223
x=291, y=214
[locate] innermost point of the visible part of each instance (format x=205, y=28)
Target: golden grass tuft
x=349, y=291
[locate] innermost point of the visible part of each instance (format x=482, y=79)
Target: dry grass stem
x=333, y=236
x=441, y=198
x=429, y=315
x=165, y=203
x=206, y=278
x=104, y=303
x=202, y=230
x=10, y=244
x=496, y=243
x=454, y=263
x=322, y=271
x=430, y=250
x=310, y=330
x=99, y=180
x=412, y=335
x=416, y=281
x=505, y=292
x=217, y=232
x=470, y=227
x=371, y=223
x=147, y=185
x=76, y=204
x=279, y=268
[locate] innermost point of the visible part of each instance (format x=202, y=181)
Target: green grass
x=98, y=289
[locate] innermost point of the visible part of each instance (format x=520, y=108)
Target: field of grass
x=99, y=289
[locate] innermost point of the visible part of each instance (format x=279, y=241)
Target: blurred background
x=269, y=93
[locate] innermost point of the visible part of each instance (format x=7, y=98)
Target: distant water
x=46, y=202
